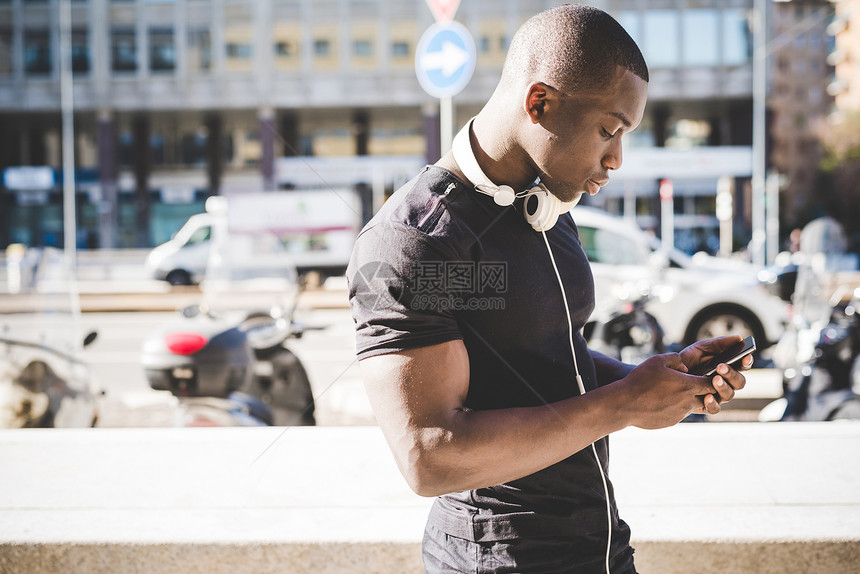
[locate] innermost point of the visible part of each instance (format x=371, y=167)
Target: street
x=326, y=350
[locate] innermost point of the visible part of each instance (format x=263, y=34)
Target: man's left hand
x=728, y=379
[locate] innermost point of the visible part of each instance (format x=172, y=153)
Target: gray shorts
x=446, y=554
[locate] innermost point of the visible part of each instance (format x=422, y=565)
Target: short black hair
x=573, y=48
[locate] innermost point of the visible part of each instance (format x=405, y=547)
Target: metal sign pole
x=759, y=237
x=446, y=124
x=68, y=144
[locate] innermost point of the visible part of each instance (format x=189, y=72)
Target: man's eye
x=606, y=134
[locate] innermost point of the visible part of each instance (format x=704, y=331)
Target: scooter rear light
x=184, y=343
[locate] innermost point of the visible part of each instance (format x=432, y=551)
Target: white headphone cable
x=582, y=392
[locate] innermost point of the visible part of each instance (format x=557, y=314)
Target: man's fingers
x=674, y=361
x=711, y=405
x=702, y=385
x=732, y=376
x=724, y=389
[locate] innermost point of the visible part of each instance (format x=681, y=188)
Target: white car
x=694, y=298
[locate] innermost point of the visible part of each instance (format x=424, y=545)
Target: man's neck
x=500, y=156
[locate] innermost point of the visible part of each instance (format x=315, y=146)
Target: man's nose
x=613, y=158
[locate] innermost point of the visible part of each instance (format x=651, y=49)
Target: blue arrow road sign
x=445, y=59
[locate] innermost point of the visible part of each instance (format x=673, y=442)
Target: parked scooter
x=228, y=374
x=628, y=333
x=43, y=381
x=44, y=387
x=822, y=382
x=818, y=354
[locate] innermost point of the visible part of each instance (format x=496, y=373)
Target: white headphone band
x=548, y=207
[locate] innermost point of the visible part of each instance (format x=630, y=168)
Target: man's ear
x=536, y=100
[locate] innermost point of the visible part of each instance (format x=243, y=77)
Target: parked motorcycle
x=229, y=374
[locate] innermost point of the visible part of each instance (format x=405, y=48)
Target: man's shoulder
x=425, y=208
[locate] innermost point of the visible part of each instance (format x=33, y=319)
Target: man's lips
x=596, y=184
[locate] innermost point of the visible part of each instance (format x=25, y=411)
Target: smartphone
x=731, y=355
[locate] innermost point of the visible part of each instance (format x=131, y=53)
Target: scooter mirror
x=90, y=338
x=265, y=332
x=659, y=260
x=191, y=311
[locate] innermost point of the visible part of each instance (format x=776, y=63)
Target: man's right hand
x=661, y=393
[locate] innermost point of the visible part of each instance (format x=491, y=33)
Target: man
x=470, y=350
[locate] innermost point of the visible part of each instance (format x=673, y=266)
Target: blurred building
x=798, y=100
x=179, y=99
x=845, y=56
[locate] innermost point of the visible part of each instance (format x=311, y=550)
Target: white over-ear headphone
x=540, y=208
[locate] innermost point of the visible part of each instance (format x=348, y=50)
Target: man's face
x=581, y=142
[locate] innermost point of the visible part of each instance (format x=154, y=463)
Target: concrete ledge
x=705, y=498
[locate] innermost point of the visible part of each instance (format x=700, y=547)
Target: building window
x=814, y=40
x=815, y=95
x=484, y=44
x=80, y=52
x=661, y=38
x=5, y=52
x=156, y=145
x=283, y=49
x=37, y=52
x=322, y=48
x=400, y=49
x=192, y=148
x=162, y=51
x=123, y=47
x=800, y=41
x=701, y=29
x=737, y=38
x=800, y=94
x=199, y=49
x=686, y=133
x=362, y=48
x=239, y=51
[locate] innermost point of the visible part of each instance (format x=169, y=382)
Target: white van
x=316, y=228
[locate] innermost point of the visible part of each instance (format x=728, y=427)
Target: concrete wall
x=708, y=498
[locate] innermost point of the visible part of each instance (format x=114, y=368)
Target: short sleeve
x=396, y=292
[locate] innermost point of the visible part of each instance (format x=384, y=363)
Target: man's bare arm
x=418, y=397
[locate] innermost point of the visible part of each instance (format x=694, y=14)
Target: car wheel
x=719, y=322
x=178, y=277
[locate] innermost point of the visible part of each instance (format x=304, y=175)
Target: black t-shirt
x=441, y=262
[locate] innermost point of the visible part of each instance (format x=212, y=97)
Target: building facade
x=179, y=99
x=845, y=55
x=799, y=99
